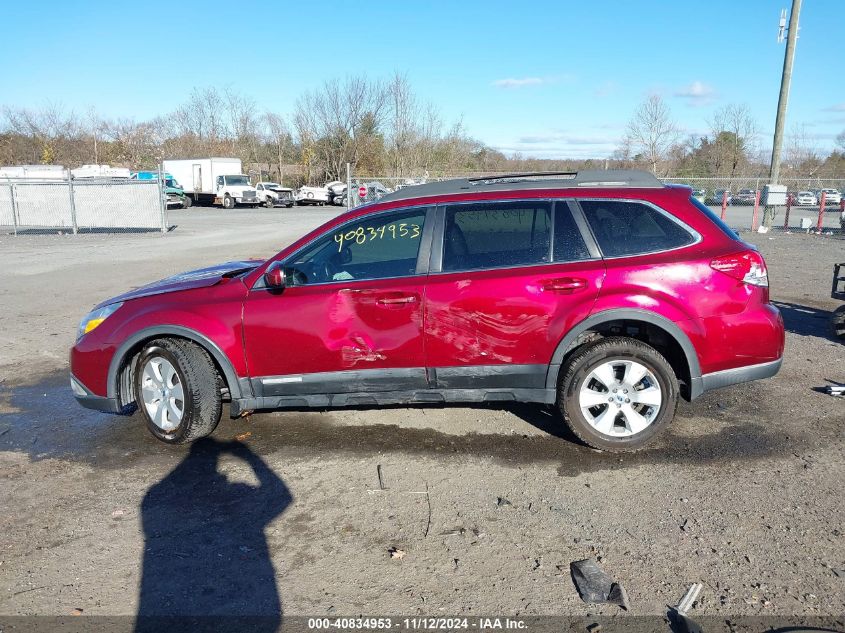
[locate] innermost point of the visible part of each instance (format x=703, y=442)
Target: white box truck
x=213, y=181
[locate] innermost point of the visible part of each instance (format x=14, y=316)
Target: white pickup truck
x=272, y=194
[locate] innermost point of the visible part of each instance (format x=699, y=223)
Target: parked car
x=744, y=197
x=805, y=198
x=699, y=194
x=337, y=190
x=175, y=195
x=312, y=195
x=716, y=198
x=832, y=196
x=604, y=293
x=272, y=194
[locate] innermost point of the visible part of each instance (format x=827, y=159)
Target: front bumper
x=98, y=403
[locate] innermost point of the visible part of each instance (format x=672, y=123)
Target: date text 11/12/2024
x=416, y=623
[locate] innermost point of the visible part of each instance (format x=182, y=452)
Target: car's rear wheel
x=177, y=390
x=617, y=394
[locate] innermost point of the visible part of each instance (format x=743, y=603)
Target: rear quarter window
x=627, y=227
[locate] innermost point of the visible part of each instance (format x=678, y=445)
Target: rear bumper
x=726, y=377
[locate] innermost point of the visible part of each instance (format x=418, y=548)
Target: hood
x=200, y=278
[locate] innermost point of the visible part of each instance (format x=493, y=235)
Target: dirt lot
x=489, y=505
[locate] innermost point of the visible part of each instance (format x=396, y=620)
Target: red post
x=788, y=207
x=724, y=203
x=820, y=223
x=756, y=210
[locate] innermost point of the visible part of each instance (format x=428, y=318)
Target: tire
x=185, y=369
x=269, y=202
x=188, y=202
x=228, y=202
x=639, y=421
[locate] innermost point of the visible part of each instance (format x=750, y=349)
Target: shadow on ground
x=205, y=553
x=806, y=320
x=44, y=421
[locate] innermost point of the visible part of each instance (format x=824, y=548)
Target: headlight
x=95, y=318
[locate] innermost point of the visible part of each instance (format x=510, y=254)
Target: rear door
x=508, y=280
x=351, y=317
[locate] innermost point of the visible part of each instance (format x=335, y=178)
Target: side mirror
x=274, y=276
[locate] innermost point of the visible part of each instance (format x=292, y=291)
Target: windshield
x=237, y=180
x=172, y=182
x=272, y=185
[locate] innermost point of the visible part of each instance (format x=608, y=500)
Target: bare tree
x=279, y=140
x=652, y=131
x=733, y=138
x=338, y=122
x=801, y=153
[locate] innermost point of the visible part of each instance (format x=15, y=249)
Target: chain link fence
x=742, y=197
x=81, y=205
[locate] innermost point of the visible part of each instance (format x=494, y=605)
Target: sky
x=546, y=79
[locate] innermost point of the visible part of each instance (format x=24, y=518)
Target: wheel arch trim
x=629, y=314
x=180, y=331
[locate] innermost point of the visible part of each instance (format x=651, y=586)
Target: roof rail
x=532, y=180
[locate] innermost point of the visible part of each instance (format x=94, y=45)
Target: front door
x=512, y=279
x=350, y=319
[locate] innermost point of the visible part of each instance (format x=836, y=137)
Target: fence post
x=788, y=207
x=72, y=203
x=724, y=203
x=348, y=188
x=754, y=217
x=161, y=199
x=14, y=206
x=820, y=223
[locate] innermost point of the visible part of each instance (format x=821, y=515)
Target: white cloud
x=696, y=94
x=522, y=82
x=562, y=144
x=837, y=107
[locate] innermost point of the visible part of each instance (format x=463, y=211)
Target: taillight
x=747, y=266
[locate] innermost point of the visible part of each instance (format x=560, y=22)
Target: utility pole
x=783, y=99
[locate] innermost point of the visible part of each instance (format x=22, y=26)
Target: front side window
x=377, y=247
x=624, y=227
x=497, y=234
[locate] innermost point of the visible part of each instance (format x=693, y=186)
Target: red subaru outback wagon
x=603, y=292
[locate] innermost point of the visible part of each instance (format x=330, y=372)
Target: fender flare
x=173, y=330
x=632, y=314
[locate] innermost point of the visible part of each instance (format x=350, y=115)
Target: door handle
x=397, y=300
x=565, y=285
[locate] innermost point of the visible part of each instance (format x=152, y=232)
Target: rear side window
x=493, y=235
x=624, y=227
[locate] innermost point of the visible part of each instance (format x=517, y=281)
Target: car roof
x=607, y=178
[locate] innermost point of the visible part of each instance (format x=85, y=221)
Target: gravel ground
x=484, y=507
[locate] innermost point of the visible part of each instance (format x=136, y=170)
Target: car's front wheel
x=228, y=202
x=177, y=390
x=617, y=394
